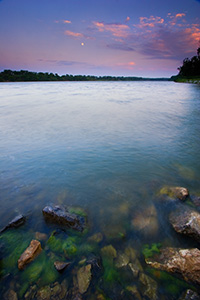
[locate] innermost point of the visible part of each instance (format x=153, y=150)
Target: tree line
x=190, y=67
x=24, y=75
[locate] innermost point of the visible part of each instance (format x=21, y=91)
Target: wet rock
x=190, y=295
x=41, y=236
x=10, y=295
x=60, y=215
x=175, y=192
x=146, y=221
x=61, y=266
x=97, y=237
x=136, y=267
x=84, y=278
x=109, y=252
x=29, y=254
x=148, y=287
x=134, y=291
x=185, y=262
x=15, y=223
x=187, y=222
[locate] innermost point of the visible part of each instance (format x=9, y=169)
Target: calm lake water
x=107, y=147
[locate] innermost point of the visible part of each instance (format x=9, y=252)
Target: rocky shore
x=71, y=263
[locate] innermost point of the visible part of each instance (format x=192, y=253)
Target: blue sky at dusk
x=104, y=37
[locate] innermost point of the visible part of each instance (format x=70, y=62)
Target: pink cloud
x=73, y=34
x=149, y=22
x=116, y=29
x=66, y=21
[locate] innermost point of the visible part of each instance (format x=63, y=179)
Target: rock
x=196, y=201
x=96, y=264
x=30, y=294
x=29, y=254
x=185, y=262
x=134, y=291
x=84, y=278
x=175, y=192
x=148, y=286
x=10, y=295
x=97, y=237
x=44, y=293
x=146, y=221
x=15, y=223
x=131, y=253
x=109, y=252
x=41, y=236
x=190, y=295
x=61, y=266
x=59, y=215
x=136, y=267
x=122, y=260
x=186, y=221
x=54, y=291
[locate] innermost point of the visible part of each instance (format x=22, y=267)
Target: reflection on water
x=107, y=147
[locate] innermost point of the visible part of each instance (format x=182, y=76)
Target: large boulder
x=186, y=221
x=60, y=215
x=29, y=254
x=14, y=223
x=185, y=262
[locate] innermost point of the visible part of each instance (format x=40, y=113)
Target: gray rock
x=15, y=223
x=60, y=215
x=185, y=262
x=187, y=222
x=10, y=295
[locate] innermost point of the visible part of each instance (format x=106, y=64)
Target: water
x=107, y=147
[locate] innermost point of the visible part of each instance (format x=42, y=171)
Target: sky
x=148, y=38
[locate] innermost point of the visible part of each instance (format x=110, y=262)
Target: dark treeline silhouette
x=23, y=75
x=190, y=67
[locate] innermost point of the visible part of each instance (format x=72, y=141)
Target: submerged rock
x=146, y=221
x=175, y=192
x=10, y=295
x=185, y=262
x=29, y=254
x=59, y=215
x=41, y=236
x=84, y=278
x=15, y=223
x=134, y=291
x=136, y=268
x=190, y=295
x=97, y=237
x=187, y=222
x=54, y=291
x=61, y=266
x=148, y=286
x=109, y=252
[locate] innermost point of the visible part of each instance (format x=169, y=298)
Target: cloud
x=149, y=22
x=116, y=29
x=120, y=46
x=73, y=34
x=67, y=22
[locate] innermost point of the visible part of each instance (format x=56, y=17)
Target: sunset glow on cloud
x=119, y=38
